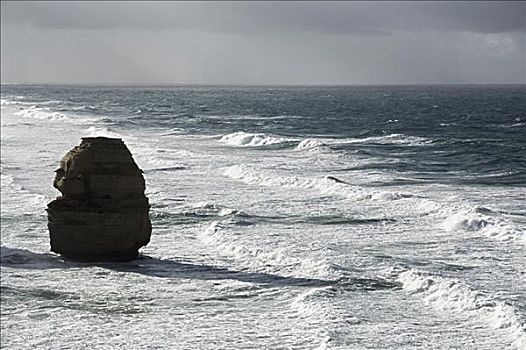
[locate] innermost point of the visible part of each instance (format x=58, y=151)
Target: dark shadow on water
x=168, y=268
x=171, y=168
x=173, y=269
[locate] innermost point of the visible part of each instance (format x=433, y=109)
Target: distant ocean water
x=387, y=217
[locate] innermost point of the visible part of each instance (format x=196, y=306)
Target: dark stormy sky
x=263, y=42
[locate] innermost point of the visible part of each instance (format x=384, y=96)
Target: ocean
x=284, y=217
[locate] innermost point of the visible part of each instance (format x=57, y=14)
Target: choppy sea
x=372, y=217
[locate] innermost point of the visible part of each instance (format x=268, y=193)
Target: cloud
x=263, y=42
x=362, y=18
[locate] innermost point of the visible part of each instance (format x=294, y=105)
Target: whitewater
x=389, y=217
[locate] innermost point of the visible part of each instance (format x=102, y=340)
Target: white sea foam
x=96, y=131
x=244, y=139
x=164, y=162
x=45, y=113
x=306, y=305
x=216, y=208
x=6, y=102
x=312, y=307
x=285, y=116
x=308, y=144
x=49, y=102
x=204, y=205
x=465, y=221
x=325, y=185
x=215, y=235
x=41, y=113
x=389, y=195
x=225, y=242
x=514, y=125
x=252, y=176
x=227, y=212
x=294, y=234
x=233, y=117
x=229, y=117
x=81, y=108
x=17, y=200
x=495, y=227
x=395, y=139
x=173, y=131
x=452, y=295
x=158, y=158
x=425, y=206
x=17, y=101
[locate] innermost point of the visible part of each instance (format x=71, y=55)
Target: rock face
x=102, y=214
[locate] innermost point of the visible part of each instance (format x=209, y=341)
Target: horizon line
x=257, y=84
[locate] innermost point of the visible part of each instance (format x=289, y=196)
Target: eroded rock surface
x=103, y=213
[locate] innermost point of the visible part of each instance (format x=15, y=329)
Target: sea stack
x=102, y=214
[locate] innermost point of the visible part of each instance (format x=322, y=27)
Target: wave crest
x=492, y=227
x=230, y=245
x=94, y=131
x=452, y=295
x=6, y=102
x=390, y=195
x=308, y=144
x=391, y=139
x=244, y=139
x=40, y=113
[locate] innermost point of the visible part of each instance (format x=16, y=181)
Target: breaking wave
x=217, y=236
x=45, y=113
x=95, y=131
x=391, y=139
x=470, y=220
x=41, y=113
x=447, y=294
x=6, y=102
x=308, y=144
x=390, y=195
x=158, y=159
x=244, y=139
x=328, y=185
x=252, y=176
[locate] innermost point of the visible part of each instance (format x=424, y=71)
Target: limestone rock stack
x=102, y=214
